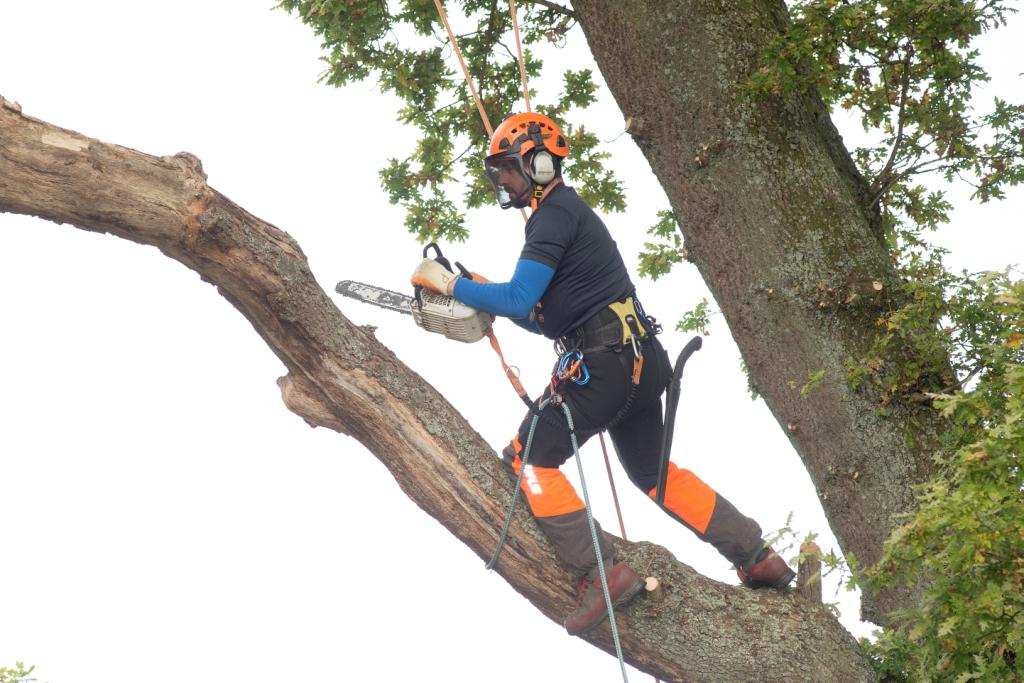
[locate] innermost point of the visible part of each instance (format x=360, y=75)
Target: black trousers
x=636, y=433
x=635, y=423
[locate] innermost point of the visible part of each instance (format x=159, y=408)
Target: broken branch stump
x=808, y=575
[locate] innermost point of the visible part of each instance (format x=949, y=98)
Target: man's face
x=510, y=178
x=511, y=186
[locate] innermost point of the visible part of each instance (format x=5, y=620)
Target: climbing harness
x=637, y=328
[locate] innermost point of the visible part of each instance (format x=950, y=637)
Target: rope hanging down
x=519, y=52
x=586, y=503
x=465, y=70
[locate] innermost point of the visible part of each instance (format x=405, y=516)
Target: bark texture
x=771, y=208
x=340, y=377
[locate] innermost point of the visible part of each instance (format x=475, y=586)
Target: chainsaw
x=432, y=311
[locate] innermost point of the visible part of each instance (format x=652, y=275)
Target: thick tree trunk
x=340, y=377
x=771, y=207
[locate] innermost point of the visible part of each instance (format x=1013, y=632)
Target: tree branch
x=882, y=182
x=560, y=9
x=341, y=378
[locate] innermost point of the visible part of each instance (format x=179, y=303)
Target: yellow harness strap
x=628, y=316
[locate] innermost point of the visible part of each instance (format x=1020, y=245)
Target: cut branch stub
x=808, y=576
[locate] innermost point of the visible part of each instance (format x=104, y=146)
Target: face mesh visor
x=509, y=180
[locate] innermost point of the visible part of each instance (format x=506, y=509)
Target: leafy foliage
x=696, y=320
x=906, y=67
x=967, y=538
x=16, y=674
x=404, y=46
x=659, y=257
x=814, y=380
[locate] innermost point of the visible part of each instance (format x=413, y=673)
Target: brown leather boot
x=768, y=571
x=591, y=610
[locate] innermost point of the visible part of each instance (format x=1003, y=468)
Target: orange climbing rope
x=465, y=70
x=519, y=52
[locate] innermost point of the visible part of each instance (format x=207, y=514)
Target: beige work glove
x=432, y=275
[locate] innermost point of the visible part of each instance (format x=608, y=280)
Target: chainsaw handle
x=470, y=275
x=439, y=256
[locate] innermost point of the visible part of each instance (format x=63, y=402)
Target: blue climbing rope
x=597, y=546
x=590, y=518
x=515, y=494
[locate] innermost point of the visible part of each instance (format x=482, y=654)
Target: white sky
x=163, y=517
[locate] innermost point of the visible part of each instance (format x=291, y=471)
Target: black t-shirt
x=565, y=234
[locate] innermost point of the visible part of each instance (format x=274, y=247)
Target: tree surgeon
x=570, y=284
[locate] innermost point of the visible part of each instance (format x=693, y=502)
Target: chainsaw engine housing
x=455, y=320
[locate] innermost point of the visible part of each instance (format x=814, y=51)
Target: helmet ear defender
x=542, y=167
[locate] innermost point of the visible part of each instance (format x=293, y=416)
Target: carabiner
x=572, y=367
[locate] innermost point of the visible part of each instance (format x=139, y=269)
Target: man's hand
x=432, y=275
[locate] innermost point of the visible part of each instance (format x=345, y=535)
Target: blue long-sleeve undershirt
x=514, y=299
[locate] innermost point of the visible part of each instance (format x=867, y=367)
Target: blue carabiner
x=580, y=375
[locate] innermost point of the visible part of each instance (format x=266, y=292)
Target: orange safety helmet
x=523, y=156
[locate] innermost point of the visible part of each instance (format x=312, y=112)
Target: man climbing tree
x=817, y=255
x=814, y=256
x=571, y=285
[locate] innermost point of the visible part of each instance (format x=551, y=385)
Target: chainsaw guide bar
x=377, y=296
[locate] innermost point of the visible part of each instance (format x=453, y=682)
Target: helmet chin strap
x=541, y=191
x=538, y=194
